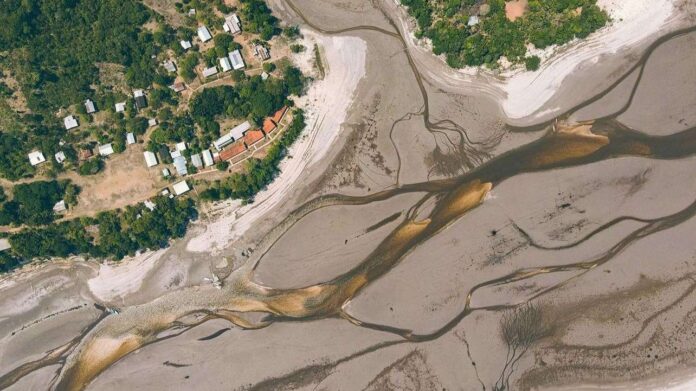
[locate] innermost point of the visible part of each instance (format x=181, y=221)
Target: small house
x=120, y=107
x=106, y=149
x=278, y=115
x=473, y=21
x=180, y=188
x=204, y=34
x=264, y=75
x=85, y=154
x=70, y=122
x=180, y=165
x=196, y=160
x=150, y=158
x=152, y=122
x=59, y=207
x=59, y=156
x=192, y=12
x=169, y=66
x=236, y=59
x=175, y=153
x=262, y=52
x=5, y=244
x=165, y=174
x=36, y=158
x=268, y=125
x=232, y=24
x=165, y=191
x=150, y=205
x=207, y=158
x=186, y=45
x=89, y=106
x=181, y=146
x=225, y=64
x=178, y=87
x=130, y=138
x=140, y=101
x=252, y=137
x=210, y=72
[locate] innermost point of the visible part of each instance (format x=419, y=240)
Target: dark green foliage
x=297, y=48
x=257, y=18
x=223, y=165
x=545, y=23
x=14, y=163
x=258, y=172
x=91, y=167
x=120, y=233
x=532, y=63
x=32, y=203
x=292, y=32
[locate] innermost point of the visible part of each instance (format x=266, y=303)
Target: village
x=179, y=168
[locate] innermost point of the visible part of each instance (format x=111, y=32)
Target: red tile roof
x=232, y=151
x=85, y=154
x=279, y=114
x=253, y=136
x=268, y=125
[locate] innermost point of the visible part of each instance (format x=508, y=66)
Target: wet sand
x=390, y=260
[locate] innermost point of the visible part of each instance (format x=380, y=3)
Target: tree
x=532, y=63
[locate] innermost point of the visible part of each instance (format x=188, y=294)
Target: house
x=181, y=146
x=186, y=45
x=166, y=173
x=268, y=125
x=130, y=138
x=85, y=154
x=262, y=51
x=180, y=188
x=175, y=153
x=120, y=107
x=225, y=64
x=251, y=137
x=210, y=72
x=152, y=122
x=89, y=106
x=204, y=34
x=165, y=191
x=70, y=122
x=236, y=59
x=192, y=12
x=207, y=158
x=232, y=151
x=235, y=134
x=140, y=101
x=169, y=66
x=150, y=158
x=178, y=87
x=278, y=115
x=196, y=160
x=106, y=149
x=5, y=244
x=180, y=165
x=36, y=158
x=264, y=75
x=59, y=207
x=473, y=21
x=150, y=205
x=232, y=24
x=59, y=156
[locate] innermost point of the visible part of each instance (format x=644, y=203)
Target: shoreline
x=524, y=97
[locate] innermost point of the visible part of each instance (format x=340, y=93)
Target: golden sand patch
x=515, y=9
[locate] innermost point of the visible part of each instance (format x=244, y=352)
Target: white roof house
x=60, y=206
x=185, y=44
x=152, y=122
x=180, y=187
x=180, y=165
x=207, y=158
x=473, y=20
x=150, y=158
x=89, y=106
x=36, y=157
x=232, y=24
x=225, y=64
x=196, y=160
x=236, y=58
x=223, y=141
x=236, y=133
x=166, y=174
x=5, y=244
x=120, y=107
x=175, y=153
x=204, y=34
x=150, y=205
x=210, y=71
x=59, y=156
x=70, y=122
x=181, y=146
x=106, y=149
x=130, y=138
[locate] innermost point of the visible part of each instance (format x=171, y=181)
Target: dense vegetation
x=258, y=173
x=545, y=23
x=115, y=233
x=258, y=19
x=32, y=203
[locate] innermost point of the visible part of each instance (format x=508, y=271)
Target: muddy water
x=115, y=336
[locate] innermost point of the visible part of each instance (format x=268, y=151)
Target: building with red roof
x=268, y=125
x=252, y=137
x=279, y=114
x=232, y=151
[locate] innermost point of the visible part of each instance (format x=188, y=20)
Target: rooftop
x=204, y=34
x=70, y=122
x=232, y=151
x=36, y=157
x=180, y=187
x=253, y=136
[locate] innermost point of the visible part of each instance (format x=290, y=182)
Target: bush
x=532, y=63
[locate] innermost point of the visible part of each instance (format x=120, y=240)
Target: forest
x=545, y=23
x=32, y=203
